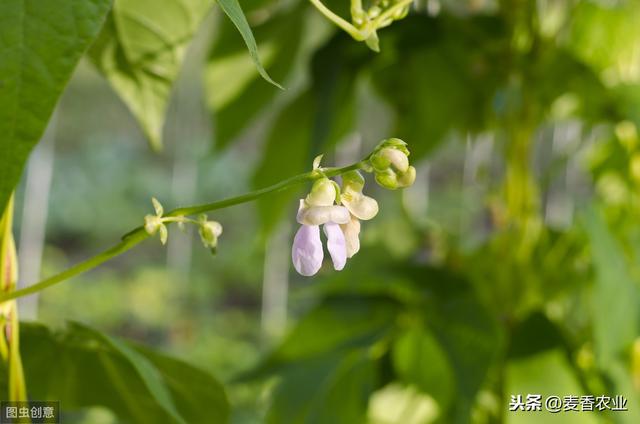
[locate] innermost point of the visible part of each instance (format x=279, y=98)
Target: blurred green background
x=510, y=267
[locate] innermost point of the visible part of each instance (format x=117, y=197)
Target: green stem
x=328, y=13
x=138, y=234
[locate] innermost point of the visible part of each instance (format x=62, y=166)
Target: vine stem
x=137, y=235
x=329, y=14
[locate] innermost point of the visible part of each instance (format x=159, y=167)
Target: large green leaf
x=81, y=367
x=546, y=373
x=140, y=51
x=615, y=295
x=326, y=364
x=439, y=75
x=419, y=360
x=236, y=101
x=463, y=328
x=337, y=324
x=40, y=45
x=333, y=389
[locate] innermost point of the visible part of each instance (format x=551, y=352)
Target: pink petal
x=306, y=252
x=336, y=245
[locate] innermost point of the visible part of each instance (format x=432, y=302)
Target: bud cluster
x=380, y=14
x=390, y=163
x=209, y=230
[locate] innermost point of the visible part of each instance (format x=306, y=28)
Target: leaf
x=615, y=296
x=235, y=101
x=137, y=384
x=439, y=78
x=140, y=51
x=419, y=359
x=603, y=35
x=534, y=335
x=337, y=324
x=326, y=366
x=333, y=389
x=546, y=373
x=461, y=325
x=40, y=45
x=233, y=10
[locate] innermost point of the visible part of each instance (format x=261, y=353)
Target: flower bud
x=390, y=157
x=401, y=13
x=387, y=179
x=209, y=233
x=394, y=143
x=323, y=193
x=407, y=179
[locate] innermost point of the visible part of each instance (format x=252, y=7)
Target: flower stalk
x=139, y=234
x=389, y=160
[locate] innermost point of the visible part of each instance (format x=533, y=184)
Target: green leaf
x=236, y=101
x=141, y=50
x=332, y=389
x=137, y=384
x=327, y=366
x=233, y=10
x=40, y=45
x=615, y=296
x=438, y=77
x=337, y=324
x=463, y=327
x=546, y=373
x=602, y=35
x=419, y=359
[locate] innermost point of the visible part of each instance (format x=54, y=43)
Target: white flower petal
x=361, y=206
x=318, y=215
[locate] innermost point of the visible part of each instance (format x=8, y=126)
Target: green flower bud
x=374, y=12
x=209, y=232
x=394, y=143
x=389, y=157
x=387, y=179
x=402, y=13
